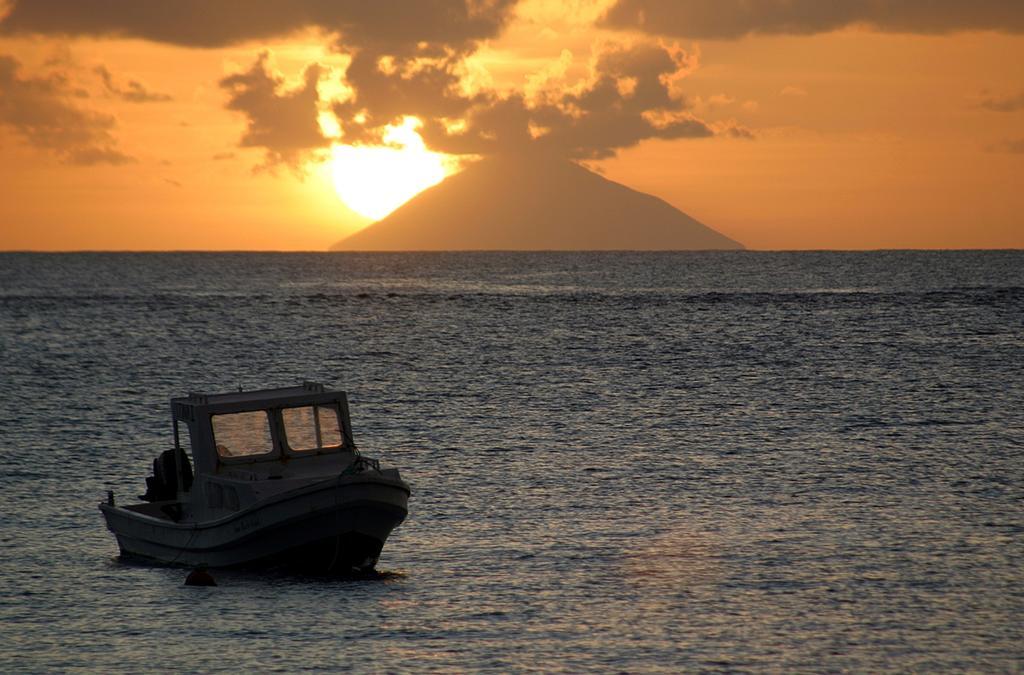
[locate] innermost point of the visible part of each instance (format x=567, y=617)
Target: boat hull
x=332, y=526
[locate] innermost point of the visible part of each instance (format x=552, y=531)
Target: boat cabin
x=263, y=431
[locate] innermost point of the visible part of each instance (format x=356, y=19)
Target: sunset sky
x=263, y=125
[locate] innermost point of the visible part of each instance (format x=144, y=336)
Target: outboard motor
x=163, y=484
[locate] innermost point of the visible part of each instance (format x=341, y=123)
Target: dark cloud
x=1014, y=146
x=407, y=59
x=393, y=25
x=727, y=19
x=739, y=132
x=1003, y=103
x=133, y=92
x=40, y=111
x=90, y=156
x=628, y=100
x=282, y=122
x=435, y=34
x=389, y=88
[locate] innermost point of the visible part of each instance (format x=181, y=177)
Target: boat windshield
x=312, y=427
x=243, y=434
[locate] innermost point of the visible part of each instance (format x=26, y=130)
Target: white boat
x=278, y=481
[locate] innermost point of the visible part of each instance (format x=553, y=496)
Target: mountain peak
x=534, y=203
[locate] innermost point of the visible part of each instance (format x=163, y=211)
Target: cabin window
x=312, y=427
x=242, y=434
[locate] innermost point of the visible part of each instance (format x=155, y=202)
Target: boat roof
x=307, y=392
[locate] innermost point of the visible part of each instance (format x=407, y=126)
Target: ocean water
x=619, y=461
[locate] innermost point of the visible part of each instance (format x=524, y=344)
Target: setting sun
x=375, y=180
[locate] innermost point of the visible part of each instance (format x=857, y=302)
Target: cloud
x=391, y=25
x=730, y=19
x=1014, y=146
x=389, y=88
x=428, y=38
x=1003, y=103
x=282, y=122
x=736, y=131
x=630, y=97
x=603, y=118
x=792, y=90
x=90, y=156
x=40, y=111
x=407, y=59
x=133, y=92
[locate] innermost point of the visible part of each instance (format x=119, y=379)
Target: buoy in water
x=199, y=577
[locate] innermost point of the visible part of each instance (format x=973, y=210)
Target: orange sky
x=867, y=132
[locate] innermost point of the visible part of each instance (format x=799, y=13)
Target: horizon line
x=508, y=250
